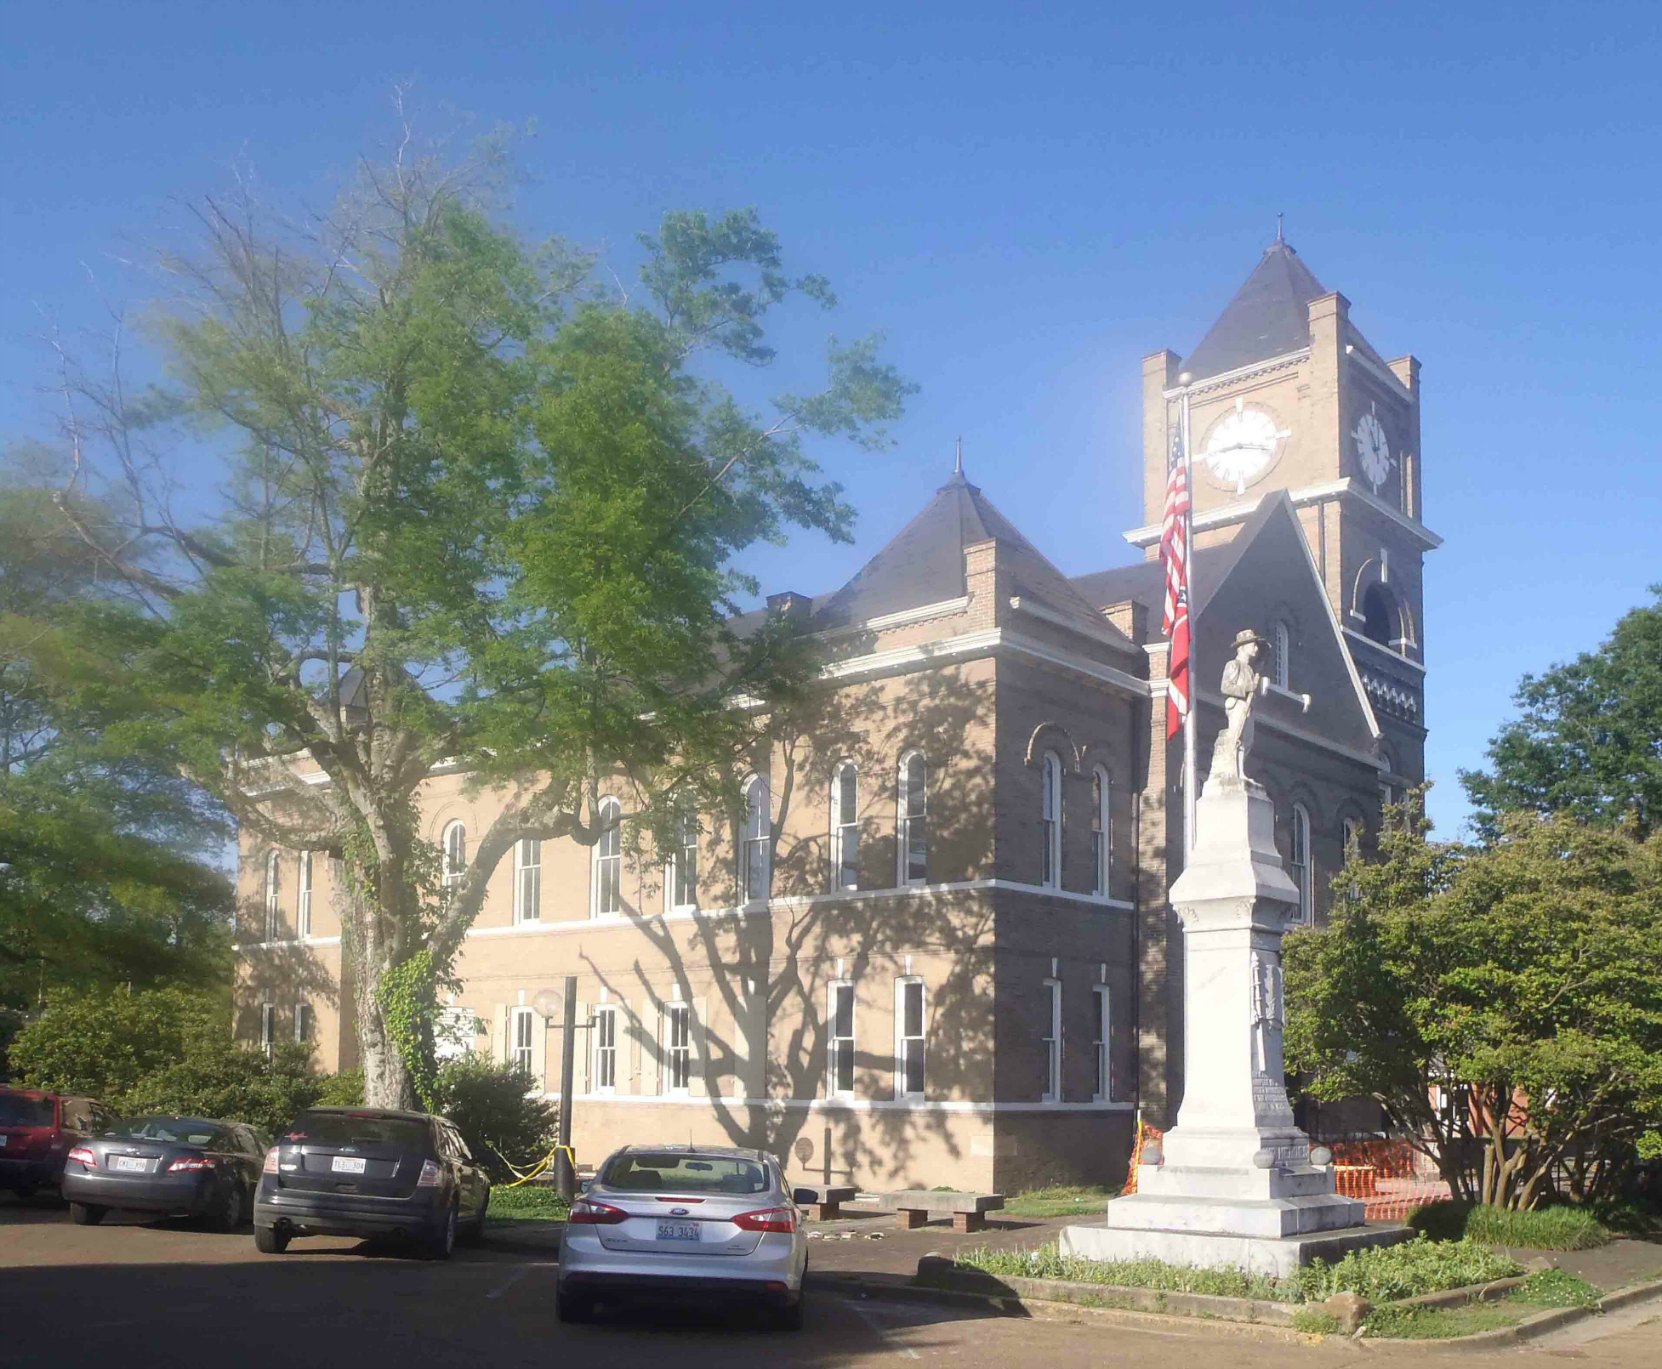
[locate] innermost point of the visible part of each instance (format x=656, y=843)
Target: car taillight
x=270, y=1166
x=778, y=1219
x=430, y=1174
x=190, y=1164
x=83, y=1155
x=586, y=1212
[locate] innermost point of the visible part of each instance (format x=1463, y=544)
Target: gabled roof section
x=924, y=564
x=1269, y=316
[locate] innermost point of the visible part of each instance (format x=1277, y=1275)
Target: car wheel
x=231, y=1209
x=443, y=1241
x=268, y=1240
x=86, y=1214
x=572, y=1307
x=476, y=1228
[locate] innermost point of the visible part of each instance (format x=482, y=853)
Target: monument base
x=1277, y=1256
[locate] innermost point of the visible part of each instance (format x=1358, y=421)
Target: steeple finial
x=958, y=465
x=1280, y=234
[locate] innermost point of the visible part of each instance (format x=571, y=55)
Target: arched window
x=682, y=876
x=453, y=844
x=914, y=820
x=1302, y=871
x=1379, y=616
x=1102, y=840
x=1283, y=655
x=272, y=912
x=1388, y=791
x=1050, y=822
x=755, y=873
x=606, y=898
x=303, y=898
x=528, y=880
x=845, y=827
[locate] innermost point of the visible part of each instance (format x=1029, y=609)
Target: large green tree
x=107, y=870
x=477, y=504
x=1588, y=736
x=1500, y=1003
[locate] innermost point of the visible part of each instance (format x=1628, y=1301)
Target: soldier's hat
x=1246, y=635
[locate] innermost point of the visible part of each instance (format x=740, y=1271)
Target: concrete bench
x=913, y=1206
x=824, y=1201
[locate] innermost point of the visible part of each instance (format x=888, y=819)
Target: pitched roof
x=1269, y=316
x=924, y=564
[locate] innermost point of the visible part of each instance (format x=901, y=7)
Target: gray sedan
x=193, y=1166
x=700, y=1222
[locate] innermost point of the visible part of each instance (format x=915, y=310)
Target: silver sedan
x=700, y=1222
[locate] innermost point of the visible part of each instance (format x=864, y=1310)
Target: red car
x=36, y=1131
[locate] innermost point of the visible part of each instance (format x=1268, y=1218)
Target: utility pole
x=565, y=1173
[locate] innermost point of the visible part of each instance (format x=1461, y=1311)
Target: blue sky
x=1025, y=198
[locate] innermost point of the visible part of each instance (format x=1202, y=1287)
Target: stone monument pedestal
x=1235, y=1184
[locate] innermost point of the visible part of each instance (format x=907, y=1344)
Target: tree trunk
x=387, y=1081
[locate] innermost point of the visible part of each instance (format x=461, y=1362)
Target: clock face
x=1242, y=446
x=1373, y=452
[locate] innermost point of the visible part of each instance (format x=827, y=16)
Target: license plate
x=348, y=1164
x=130, y=1164
x=3, y=1140
x=677, y=1231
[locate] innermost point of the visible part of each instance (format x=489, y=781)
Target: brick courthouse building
x=935, y=946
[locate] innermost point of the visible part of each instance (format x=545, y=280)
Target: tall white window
x=522, y=1038
x=268, y=1026
x=677, y=1071
x=1104, y=1046
x=755, y=857
x=1053, y=1042
x=607, y=884
x=681, y=879
x=604, y=1073
x=1102, y=839
x=453, y=849
x=1050, y=822
x=303, y=898
x=845, y=827
x=841, y=1014
x=527, y=880
x=1283, y=646
x=1302, y=872
x=303, y=1022
x=909, y=1052
x=272, y=908
x=914, y=820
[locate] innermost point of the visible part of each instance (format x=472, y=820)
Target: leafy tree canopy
x=1500, y=1003
x=455, y=497
x=1588, y=736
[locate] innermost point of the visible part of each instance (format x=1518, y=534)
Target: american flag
x=1174, y=556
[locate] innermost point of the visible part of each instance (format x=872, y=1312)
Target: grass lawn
x=1060, y=1200
x=526, y=1203
x=1546, y=1228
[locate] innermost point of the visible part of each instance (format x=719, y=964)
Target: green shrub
x=527, y=1202
x=1564, y=1227
x=220, y=1078
x=1315, y=1322
x=343, y=1090
x=1386, y=1273
x=505, y=1126
x=103, y=1042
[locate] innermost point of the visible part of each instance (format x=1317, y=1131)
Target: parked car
x=37, y=1129
x=697, y=1222
x=370, y=1172
x=176, y=1166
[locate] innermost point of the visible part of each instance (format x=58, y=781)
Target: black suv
x=370, y=1172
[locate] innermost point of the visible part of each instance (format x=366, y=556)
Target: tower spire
x=958, y=464
x=1280, y=235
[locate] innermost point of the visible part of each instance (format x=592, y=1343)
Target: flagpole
x=1189, y=794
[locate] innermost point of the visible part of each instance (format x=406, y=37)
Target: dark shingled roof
x=924, y=564
x=1269, y=316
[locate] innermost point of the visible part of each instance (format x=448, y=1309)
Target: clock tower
x=1286, y=394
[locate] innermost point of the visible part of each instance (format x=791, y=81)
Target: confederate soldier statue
x=1241, y=685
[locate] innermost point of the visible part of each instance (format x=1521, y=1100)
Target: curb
x=1531, y=1328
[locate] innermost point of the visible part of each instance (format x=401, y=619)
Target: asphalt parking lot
x=166, y=1293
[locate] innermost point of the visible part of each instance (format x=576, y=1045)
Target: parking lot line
x=882, y=1332
x=516, y=1276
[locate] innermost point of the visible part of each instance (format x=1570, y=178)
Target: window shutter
x=698, y=1079
x=648, y=1030
x=539, y=1051
x=582, y=1050
x=499, y=1033
x=632, y=1080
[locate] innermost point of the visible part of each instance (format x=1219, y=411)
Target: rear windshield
x=355, y=1129
x=18, y=1111
x=645, y=1171
x=188, y=1131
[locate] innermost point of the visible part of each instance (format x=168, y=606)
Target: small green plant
x=1555, y=1288
x=526, y=1202
x=1059, y=1200
x=1437, y=1323
x=1315, y=1322
x=1386, y=1273
x=1047, y=1262
x=1564, y=1227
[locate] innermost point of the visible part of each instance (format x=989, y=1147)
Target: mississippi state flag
x=1174, y=556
